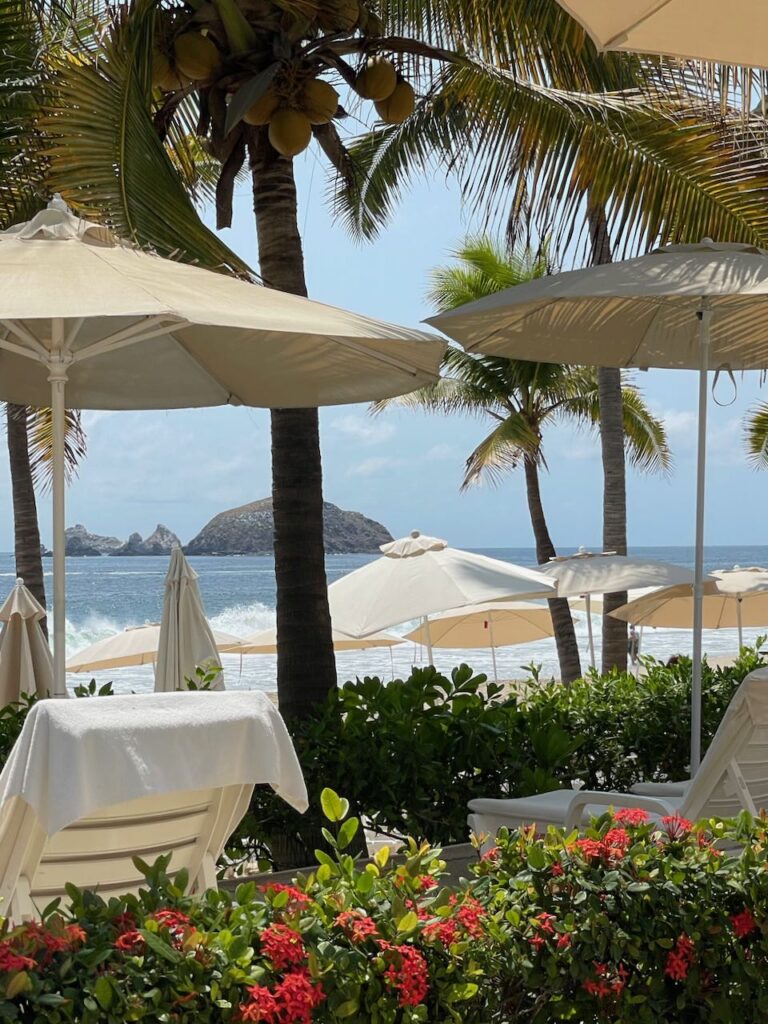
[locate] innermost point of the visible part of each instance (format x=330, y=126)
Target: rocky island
x=161, y=542
x=80, y=543
x=248, y=530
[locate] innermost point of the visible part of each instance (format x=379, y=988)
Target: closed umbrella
x=88, y=322
x=604, y=572
x=700, y=306
x=420, y=575
x=137, y=645
x=26, y=665
x=186, y=639
x=489, y=625
x=725, y=33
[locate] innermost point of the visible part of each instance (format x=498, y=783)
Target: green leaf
x=247, y=95
x=103, y=992
x=408, y=922
x=347, y=833
x=334, y=807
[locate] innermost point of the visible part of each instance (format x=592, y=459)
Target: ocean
x=108, y=594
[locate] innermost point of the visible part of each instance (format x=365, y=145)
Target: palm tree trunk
x=29, y=562
x=614, y=471
x=562, y=622
x=306, y=670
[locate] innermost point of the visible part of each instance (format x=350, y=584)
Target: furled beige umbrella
x=420, y=575
x=702, y=306
x=136, y=645
x=88, y=322
x=186, y=639
x=725, y=33
x=489, y=625
x=26, y=665
x=265, y=642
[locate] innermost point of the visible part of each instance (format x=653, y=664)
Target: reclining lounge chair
x=732, y=777
x=92, y=783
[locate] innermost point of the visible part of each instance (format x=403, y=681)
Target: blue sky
x=404, y=469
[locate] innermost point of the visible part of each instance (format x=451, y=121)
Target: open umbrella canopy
x=186, y=639
x=672, y=607
x=265, y=642
x=732, y=33
x=491, y=624
x=421, y=575
x=26, y=665
x=137, y=645
x=589, y=572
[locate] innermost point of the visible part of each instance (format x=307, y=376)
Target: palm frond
x=501, y=451
x=40, y=430
x=645, y=437
x=756, y=436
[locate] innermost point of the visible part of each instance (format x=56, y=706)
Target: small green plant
x=92, y=689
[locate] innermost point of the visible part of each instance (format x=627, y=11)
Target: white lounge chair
x=92, y=783
x=733, y=777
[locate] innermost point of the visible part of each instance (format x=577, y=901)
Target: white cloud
x=443, y=452
x=364, y=428
x=370, y=467
x=681, y=424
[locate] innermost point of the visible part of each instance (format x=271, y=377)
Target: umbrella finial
x=415, y=533
x=57, y=203
x=19, y=581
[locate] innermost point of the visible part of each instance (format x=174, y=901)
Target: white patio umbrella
x=697, y=306
x=742, y=583
x=489, y=625
x=265, y=642
x=26, y=665
x=421, y=575
x=186, y=638
x=136, y=645
x=725, y=33
x=604, y=572
x=88, y=322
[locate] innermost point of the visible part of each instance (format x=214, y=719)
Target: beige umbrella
x=186, y=639
x=489, y=625
x=698, y=306
x=420, y=575
x=265, y=642
x=26, y=665
x=136, y=645
x=725, y=33
x=89, y=322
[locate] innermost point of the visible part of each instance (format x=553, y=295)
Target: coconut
x=262, y=110
x=377, y=80
x=319, y=101
x=290, y=132
x=163, y=75
x=397, y=107
x=197, y=56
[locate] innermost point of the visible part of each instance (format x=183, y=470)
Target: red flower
x=556, y=869
x=426, y=882
x=75, y=934
x=407, y=973
x=631, y=816
x=744, y=923
x=590, y=847
x=12, y=961
x=130, y=942
x=296, y=898
x=124, y=922
x=356, y=925
x=261, y=1006
x=564, y=940
x=283, y=946
x=616, y=842
x=469, y=915
x=680, y=958
x=443, y=929
x=491, y=855
x=607, y=981
x=296, y=997
x=675, y=826
x=544, y=923
x=173, y=920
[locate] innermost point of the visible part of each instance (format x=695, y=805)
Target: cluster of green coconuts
x=295, y=101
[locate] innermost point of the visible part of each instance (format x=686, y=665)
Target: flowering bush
x=632, y=921
x=386, y=944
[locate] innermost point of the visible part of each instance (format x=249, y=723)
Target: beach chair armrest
x=662, y=789
x=587, y=797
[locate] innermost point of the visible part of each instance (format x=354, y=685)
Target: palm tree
x=520, y=398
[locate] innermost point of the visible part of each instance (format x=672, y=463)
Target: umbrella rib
x=204, y=369
x=624, y=35
x=379, y=357
x=143, y=330
x=23, y=334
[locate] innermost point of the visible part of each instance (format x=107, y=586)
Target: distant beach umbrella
x=265, y=642
x=702, y=306
x=26, y=665
x=137, y=645
x=604, y=572
x=89, y=322
x=420, y=575
x=486, y=626
x=724, y=33
x=186, y=639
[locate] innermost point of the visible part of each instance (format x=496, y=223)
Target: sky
x=402, y=468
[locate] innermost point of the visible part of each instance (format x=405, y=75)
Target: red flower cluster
x=356, y=925
x=631, y=816
x=426, y=882
x=45, y=944
x=173, y=920
x=556, y=869
x=545, y=930
x=130, y=941
x=296, y=898
x=680, y=958
x=743, y=923
x=10, y=960
x=283, y=946
x=292, y=1001
x=675, y=826
x=407, y=972
x=607, y=981
x=491, y=855
x=469, y=914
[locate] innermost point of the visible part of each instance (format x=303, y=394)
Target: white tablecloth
x=76, y=757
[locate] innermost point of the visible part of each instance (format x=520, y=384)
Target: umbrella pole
x=428, y=638
x=57, y=376
x=705, y=316
x=738, y=621
x=493, y=649
x=588, y=606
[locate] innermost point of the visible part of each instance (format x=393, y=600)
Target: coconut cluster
x=193, y=54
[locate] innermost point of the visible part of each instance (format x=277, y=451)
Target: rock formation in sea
x=161, y=542
x=81, y=542
x=248, y=530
